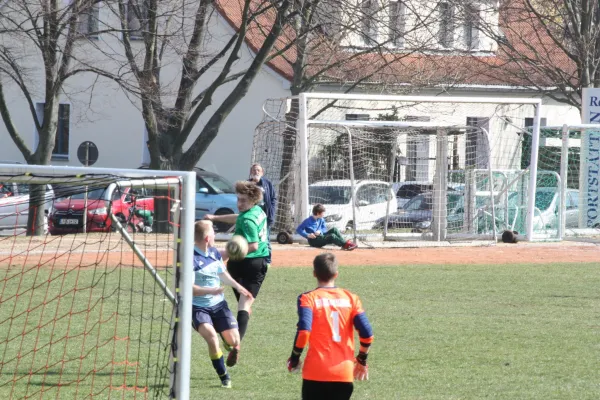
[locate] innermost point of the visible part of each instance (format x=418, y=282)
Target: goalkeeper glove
x=294, y=364
x=361, y=370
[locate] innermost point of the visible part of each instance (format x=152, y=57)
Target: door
x=572, y=209
x=371, y=199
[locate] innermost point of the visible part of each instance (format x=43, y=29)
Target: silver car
x=14, y=205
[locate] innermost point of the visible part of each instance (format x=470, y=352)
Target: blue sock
x=218, y=363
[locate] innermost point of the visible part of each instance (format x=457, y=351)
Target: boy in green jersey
x=251, y=223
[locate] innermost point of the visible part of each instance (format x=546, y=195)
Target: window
x=87, y=23
x=397, y=26
x=478, y=150
x=471, y=27
x=368, y=22
x=529, y=122
x=417, y=152
x=61, y=143
x=358, y=117
x=446, y=18
x=136, y=18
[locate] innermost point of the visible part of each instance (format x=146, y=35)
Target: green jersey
x=252, y=224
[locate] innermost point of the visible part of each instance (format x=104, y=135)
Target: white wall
x=103, y=113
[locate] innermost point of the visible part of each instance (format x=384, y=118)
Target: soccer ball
x=237, y=248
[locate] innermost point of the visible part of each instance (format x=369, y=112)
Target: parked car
x=214, y=195
x=417, y=213
x=14, y=205
x=546, y=203
x=336, y=195
x=405, y=191
x=67, y=213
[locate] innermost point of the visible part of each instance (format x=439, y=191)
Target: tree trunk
x=288, y=183
x=36, y=218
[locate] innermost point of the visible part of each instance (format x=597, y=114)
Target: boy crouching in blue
x=210, y=312
x=313, y=228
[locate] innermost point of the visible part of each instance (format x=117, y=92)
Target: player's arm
x=229, y=281
x=365, y=335
x=304, y=327
x=202, y=290
x=301, y=229
x=228, y=218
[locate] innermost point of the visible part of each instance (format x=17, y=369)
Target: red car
x=67, y=212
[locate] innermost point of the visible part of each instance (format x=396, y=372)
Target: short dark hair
x=325, y=266
x=318, y=209
x=249, y=189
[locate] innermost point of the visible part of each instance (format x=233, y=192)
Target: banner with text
x=589, y=204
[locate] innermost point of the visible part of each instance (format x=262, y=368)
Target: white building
x=96, y=109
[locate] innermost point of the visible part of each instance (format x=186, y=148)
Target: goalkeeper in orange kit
x=327, y=317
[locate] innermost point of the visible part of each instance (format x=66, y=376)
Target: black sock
x=243, y=318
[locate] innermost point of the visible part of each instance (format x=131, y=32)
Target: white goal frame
x=303, y=123
x=137, y=178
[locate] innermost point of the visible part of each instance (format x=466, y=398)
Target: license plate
x=68, y=221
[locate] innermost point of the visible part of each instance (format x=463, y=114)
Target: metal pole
x=353, y=197
x=302, y=128
x=535, y=144
x=85, y=194
x=564, y=160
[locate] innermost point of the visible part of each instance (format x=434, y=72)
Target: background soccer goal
x=398, y=167
x=95, y=306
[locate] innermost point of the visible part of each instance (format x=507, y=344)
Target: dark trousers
x=332, y=236
x=315, y=390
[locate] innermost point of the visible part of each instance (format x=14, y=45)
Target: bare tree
x=37, y=39
x=551, y=45
x=366, y=45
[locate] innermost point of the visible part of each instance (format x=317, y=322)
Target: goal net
x=397, y=167
x=567, y=204
x=95, y=296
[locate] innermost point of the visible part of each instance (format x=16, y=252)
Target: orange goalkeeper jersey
x=327, y=319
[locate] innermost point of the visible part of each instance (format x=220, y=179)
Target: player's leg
x=226, y=325
x=335, y=237
x=314, y=390
x=202, y=323
x=235, y=269
x=339, y=390
x=253, y=275
x=318, y=242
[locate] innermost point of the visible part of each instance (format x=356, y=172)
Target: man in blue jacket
x=313, y=228
x=269, y=198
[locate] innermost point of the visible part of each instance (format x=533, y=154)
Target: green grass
x=441, y=332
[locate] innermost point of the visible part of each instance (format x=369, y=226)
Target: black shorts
x=316, y=390
x=249, y=272
x=219, y=316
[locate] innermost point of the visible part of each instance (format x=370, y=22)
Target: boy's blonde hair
x=201, y=228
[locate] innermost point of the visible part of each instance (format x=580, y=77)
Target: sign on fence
x=590, y=160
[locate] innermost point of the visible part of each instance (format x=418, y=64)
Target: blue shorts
x=219, y=316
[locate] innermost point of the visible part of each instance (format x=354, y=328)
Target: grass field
x=441, y=332
x=454, y=332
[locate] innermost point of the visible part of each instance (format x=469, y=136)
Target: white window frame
x=134, y=34
x=446, y=15
x=39, y=108
x=397, y=22
x=91, y=31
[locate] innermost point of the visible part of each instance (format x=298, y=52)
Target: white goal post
x=140, y=250
x=452, y=113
